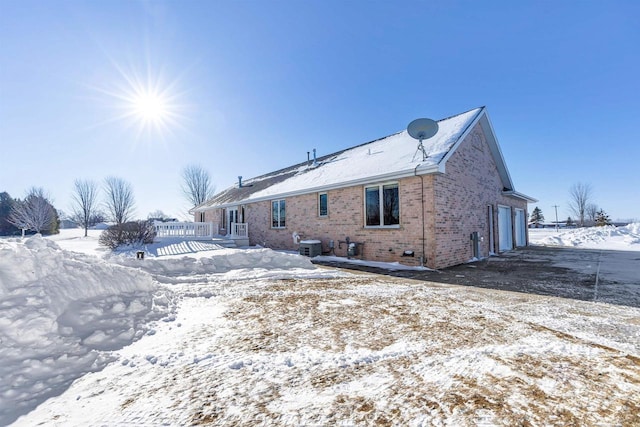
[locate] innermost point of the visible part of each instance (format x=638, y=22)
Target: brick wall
x=345, y=218
x=462, y=196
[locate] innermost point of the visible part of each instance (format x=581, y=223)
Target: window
x=278, y=214
x=382, y=205
x=323, y=204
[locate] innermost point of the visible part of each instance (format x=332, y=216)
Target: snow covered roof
x=391, y=157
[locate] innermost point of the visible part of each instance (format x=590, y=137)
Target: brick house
x=456, y=204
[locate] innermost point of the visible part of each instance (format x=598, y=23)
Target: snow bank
x=59, y=311
x=218, y=261
x=609, y=237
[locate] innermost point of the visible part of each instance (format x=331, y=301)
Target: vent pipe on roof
x=239, y=181
x=315, y=161
x=308, y=159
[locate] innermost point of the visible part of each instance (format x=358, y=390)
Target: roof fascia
x=494, y=146
x=362, y=181
x=492, y=141
x=517, y=195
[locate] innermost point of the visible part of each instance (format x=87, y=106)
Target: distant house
x=457, y=204
x=68, y=223
x=101, y=226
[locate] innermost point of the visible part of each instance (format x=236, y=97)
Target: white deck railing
x=185, y=229
x=239, y=230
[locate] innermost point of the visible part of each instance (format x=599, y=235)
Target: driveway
x=585, y=274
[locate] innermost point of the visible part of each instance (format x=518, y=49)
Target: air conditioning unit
x=311, y=248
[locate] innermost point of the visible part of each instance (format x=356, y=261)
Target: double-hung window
x=323, y=205
x=382, y=205
x=278, y=214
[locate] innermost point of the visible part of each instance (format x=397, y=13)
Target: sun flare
x=147, y=102
x=150, y=106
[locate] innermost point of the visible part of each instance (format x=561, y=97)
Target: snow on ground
x=392, y=266
x=625, y=238
x=365, y=350
x=278, y=341
x=72, y=239
x=60, y=315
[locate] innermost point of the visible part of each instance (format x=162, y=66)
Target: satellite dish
x=422, y=128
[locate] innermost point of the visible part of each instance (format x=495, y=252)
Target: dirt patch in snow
x=584, y=274
x=397, y=354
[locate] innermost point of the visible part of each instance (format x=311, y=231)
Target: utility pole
x=556, y=206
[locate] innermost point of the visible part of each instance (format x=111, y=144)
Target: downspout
x=415, y=172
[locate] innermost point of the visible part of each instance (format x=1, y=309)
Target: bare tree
x=35, y=212
x=119, y=199
x=196, y=185
x=97, y=217
x=579, y=198
x=158, y=215
x=84, y=203
x=591, y=211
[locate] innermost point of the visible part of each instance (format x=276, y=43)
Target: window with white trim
x=323, y=205
x=278, y=214
x=382, y=205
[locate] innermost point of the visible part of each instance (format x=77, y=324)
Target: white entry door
x=232, y=218
x=505, y=237
x=521, y=231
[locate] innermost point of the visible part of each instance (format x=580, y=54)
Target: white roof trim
x=492, y=139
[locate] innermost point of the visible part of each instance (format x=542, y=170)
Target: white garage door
x=505, y=238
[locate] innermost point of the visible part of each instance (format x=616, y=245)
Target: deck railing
x=239, y=230
x=185, y=229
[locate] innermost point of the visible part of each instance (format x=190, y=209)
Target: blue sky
x=251, y=86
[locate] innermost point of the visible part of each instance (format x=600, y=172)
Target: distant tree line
x=586, y=212
x=583, y=207
x=34, y=213
x=92, y=204
x=6, y=204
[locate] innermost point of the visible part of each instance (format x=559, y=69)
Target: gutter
x=517, y=195
x=423, y=258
